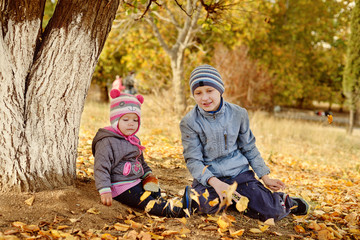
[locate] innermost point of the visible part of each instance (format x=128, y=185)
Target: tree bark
x=45, y=79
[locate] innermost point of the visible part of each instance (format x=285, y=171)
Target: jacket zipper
x=225, y=137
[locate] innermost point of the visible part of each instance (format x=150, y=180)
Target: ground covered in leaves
x=76, y=212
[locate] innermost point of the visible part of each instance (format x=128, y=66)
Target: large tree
x=45, y=76
x=351, y=82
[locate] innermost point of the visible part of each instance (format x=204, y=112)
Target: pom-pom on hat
x=123, y=103
x=206, y=75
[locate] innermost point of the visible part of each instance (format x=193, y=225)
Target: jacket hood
x=101, y=134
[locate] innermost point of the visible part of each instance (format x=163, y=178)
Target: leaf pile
x=333, y=194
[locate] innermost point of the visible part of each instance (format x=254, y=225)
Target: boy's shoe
x=301, y=207
x=186, y=199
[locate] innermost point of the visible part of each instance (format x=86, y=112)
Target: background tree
x=45, y=76
x=351, y=81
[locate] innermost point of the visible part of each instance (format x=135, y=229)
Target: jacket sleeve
x=246, y=143
x=144, y=165
x=193, y=153
x=102, y=166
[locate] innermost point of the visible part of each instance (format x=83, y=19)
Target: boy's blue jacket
x=220, y=144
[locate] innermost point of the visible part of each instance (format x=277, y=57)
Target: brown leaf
x=30, y=201
x=299, y=229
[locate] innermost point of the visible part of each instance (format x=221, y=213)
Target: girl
x=120, y=170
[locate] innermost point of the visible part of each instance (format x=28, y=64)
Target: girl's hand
x=273, y=184
x=221, y=188
x=106, y=199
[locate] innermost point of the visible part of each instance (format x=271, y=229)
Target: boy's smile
x=208, y=98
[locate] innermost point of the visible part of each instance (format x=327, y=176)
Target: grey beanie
x=206, y=75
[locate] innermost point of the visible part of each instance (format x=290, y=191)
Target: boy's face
x=128, y=124
x=208, y=98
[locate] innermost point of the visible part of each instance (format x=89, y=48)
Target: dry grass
x=319, y=143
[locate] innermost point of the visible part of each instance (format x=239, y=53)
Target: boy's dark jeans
x=263, y=204
x=131, y=197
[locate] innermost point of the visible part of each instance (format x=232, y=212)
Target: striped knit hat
x=123, y=103
x=206, y=75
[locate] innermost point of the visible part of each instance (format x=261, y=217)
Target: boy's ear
x=140, y=98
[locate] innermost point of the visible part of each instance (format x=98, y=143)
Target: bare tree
x=186, y=27
x=45, y=76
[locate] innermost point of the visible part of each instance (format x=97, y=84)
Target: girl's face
x=128, y=124
x=208, y=98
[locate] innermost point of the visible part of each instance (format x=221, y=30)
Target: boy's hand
x=221, y=188
x=106, y=199
x=273, y=184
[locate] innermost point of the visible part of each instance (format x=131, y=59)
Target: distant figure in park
x=129, y=83
x=120, y=170
x=219, y=149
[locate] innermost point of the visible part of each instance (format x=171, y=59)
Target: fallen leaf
x=264, y=228
x=237, y=233
x=242, y=204
x=183, y=220
x=223, y=223
x=145, y=195
x=31, y=228
x=206, y=194
x=214, y=202
x=169, y=233
x=299, y=229
x=185, y=231
x=30, y=201
x=150, y=205
x=121, y=227
x=93, y=211
x=144, y=236
x=270, y=222
x=255, y=230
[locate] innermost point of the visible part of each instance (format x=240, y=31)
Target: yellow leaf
x=214, y=202
x=169, y=232
x=62, y=227
x=30, y=201
x=185, y=231
x=18, y=224
x=93, y=211
x=223, y=224
x=187, y=212
x=108, y=236
x=195, y=196
x=150, y=205
x=264, y=228
x=121, y=227
x=299, y=229
x=270, y=222
x=156, y=237
x=206, y=194
x=229, y=193
x=237, y=233
x=145, y=195
x=183, y=220
x=255, y=230
x=31, y=228
x=242, y=204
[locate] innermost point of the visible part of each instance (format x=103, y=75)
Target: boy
x=219, y=149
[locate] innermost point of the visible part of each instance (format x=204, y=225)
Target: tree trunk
x=351, y=121
x=44, y=82
x=177, y=67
